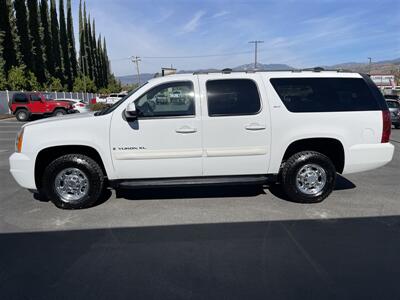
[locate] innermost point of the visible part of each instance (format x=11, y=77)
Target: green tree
x=47, y=41
x=82, y=48
x=16, y=78
x=54, y=84
x=84, y=83
x=32, y=83
x=23, y=33
x=55, y=37
x=3, y=79
x=10, y=39
x=106, y=62
x=64, y=47
x=71, y=41
x=89, y=58
x=36, y=34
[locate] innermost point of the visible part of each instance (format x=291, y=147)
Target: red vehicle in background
x=24, y=105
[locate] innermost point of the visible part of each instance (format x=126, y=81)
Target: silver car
x=394, y=107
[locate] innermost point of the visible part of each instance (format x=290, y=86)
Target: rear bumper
x=22, y=168
x=362, y=158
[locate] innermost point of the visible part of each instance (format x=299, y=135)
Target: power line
x=255, y=51
x=136, y=60
x=186, y=57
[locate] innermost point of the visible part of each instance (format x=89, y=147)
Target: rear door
x=236, y=130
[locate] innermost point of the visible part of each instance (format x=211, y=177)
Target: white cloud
x=193, y=23
x=221, y=14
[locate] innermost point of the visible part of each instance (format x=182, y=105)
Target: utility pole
x=255, y=51
x=369, y=65
x=136, y=60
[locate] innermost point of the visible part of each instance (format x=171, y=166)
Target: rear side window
x=35, y=97
x=325, y=94
x=20, y=98
x=232, y=97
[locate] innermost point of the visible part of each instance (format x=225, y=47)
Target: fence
x=5, y=97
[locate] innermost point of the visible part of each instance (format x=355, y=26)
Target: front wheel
x=308, y=177
x=73, y=181
x=22, y=115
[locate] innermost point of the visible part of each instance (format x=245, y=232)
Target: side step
x=192, y=181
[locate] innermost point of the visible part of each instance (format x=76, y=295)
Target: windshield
x=118, y=103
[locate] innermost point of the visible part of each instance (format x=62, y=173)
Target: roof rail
x=315, y=69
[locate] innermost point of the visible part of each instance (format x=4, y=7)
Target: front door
x=236, y=130
x=165, y=141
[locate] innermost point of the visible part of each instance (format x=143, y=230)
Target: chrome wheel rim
x=59, y=114
x=311, y=179
x=71, y=185
x=22, y=115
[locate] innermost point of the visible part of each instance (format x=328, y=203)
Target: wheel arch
x=46, y=155
x=331, y=147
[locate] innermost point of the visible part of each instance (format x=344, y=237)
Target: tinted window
x=393, y=104
x=325, y=94
x=162, y=101
x=35, y=97
x=230, y=97
x=20, y=98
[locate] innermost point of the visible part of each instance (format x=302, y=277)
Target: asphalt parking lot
x=203, y=243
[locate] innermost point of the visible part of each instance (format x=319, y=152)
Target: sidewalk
x=5, y=116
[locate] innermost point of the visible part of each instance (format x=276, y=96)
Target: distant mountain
x=386, y=66
x=129, y=79
x=269, y=67
x=379, y=67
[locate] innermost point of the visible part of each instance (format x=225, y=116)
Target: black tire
x=397, y=126
x=290, y=171
x=83, y=163
x=59, y=112
x=22, y=115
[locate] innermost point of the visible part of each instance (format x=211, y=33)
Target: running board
x=192, y=181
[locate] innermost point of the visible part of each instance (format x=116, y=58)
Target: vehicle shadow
x=341, y=184
x=349, y=258
x=190, y=192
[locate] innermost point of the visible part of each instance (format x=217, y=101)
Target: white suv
x=295, y=128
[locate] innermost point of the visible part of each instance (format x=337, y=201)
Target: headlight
x=18, y=141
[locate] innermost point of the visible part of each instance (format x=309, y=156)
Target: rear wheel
x=308, y=177
x=73, y=181
x=59, y=112
x=397, y=126
x=22, y=115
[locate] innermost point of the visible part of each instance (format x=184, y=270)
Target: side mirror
x=130, y=112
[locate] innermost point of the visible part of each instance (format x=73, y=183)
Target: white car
x=113, y=98
x=78, y=105
x=298, y=129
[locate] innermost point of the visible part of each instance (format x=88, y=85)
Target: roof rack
x=315, y=69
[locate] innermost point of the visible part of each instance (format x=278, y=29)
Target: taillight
x=387, y=126
x=81, y=104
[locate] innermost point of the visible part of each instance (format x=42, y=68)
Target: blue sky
x=299, y=33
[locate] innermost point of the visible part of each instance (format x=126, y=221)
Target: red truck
x=24, y=105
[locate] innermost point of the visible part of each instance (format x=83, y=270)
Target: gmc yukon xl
x=296, y=129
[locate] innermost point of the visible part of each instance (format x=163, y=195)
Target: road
x=203, y=243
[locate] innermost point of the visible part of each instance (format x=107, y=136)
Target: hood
x=62, y=118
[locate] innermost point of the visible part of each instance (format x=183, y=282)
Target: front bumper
x=22, y=168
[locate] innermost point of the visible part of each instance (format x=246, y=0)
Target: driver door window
x=174, y=99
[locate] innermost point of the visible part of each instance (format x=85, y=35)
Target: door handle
x=186, y=129
x=254, y=126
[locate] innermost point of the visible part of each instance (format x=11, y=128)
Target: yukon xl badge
x=130, y=148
